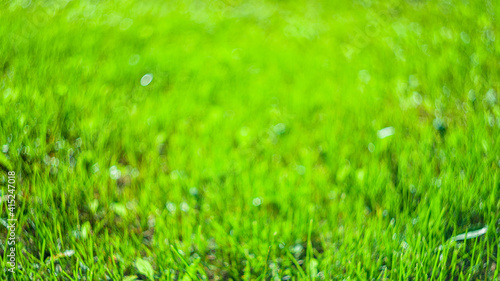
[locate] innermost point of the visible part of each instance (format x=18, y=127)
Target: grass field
x=250, y=140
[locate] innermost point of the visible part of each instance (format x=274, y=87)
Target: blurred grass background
x=256, y=150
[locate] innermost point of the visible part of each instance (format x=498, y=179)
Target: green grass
x=255, y=153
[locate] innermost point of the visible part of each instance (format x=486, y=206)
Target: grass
x=258, y=149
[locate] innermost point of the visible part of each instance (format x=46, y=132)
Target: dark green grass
x=254, y=153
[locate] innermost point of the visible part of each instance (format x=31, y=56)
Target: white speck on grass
x=131, y=205
x=184, y=207
x=256, y=201
x=279, y=129
x=371, y=147
x=417, y=98
x=491, y=98
x=438, y=182
x=298, y=248
x=386, y=132
x=114, y=173
x=69, y=253
x=171, y=207
x=146, y=79
x=470, y=235
x=193, y=191
x=5, y=148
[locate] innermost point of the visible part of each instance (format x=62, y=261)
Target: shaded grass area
x=258, y=150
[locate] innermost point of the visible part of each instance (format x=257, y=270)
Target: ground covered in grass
x=251, y=140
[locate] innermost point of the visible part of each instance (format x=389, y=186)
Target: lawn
x=249, y=140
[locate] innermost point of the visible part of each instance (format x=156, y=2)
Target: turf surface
x=251, y=140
